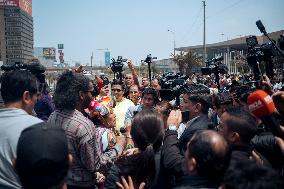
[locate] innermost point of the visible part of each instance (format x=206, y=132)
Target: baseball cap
x=42, y=156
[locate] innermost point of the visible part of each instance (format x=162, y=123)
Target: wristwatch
x=172, y=127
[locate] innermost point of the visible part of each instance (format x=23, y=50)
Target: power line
x=190, y=29
x=194, y=31
x=225, y=9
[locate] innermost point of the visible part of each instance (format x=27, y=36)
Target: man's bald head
x=211, y=153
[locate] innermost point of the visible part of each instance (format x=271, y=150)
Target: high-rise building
x=16, y=31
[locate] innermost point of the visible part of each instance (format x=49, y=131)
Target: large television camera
x=171, y=80
x=215, y=66
x=149, y=60
x=173, y=85
x=116, y=67
x=260, y=53
x=34, y=67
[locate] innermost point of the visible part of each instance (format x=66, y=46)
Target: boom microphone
x=260, y=26
x=262, y=30
x=262, y=106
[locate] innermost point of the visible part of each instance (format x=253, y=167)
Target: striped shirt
x=83, y=146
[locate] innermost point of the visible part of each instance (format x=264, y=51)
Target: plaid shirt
x=83, y=146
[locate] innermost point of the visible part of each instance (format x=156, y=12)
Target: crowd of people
x=127, y=136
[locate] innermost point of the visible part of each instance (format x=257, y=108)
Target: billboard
x=25, y=5
x=48, y=53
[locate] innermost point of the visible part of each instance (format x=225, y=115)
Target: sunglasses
x=118, y=90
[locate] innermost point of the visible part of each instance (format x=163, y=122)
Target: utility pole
x=229, y=56
x=204, y=43
x=174, y=36
x=174, y=44
x=92, y=63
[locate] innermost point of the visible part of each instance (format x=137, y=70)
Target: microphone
x=263, y=107
x=122, y=130
x=260, y=103
x=260, y=26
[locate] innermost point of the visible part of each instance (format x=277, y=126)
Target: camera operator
x=19, y=90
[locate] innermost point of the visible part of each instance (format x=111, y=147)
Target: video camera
x=214, y=66
x=256, y=54
x=34, y=67
x=171, y=80
x=149, y=59
x=173, y=85
x=116, y=67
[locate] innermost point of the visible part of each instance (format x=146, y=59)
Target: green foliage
x=186, y=61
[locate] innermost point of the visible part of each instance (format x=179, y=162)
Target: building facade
x=16, y=31
x=166, y=65
x=229, y=49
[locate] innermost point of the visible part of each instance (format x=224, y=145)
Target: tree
x=187, y=60
x=179, y=60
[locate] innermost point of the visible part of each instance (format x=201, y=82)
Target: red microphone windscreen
x=260, y=103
